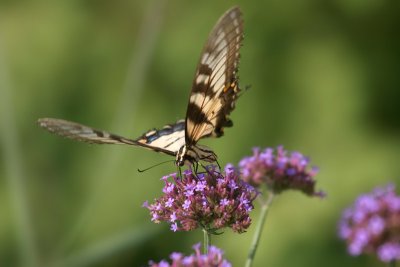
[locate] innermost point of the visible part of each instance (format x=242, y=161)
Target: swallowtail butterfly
x=214, y=92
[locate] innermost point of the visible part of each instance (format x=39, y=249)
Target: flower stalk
x=260, y=226
x=206, y=241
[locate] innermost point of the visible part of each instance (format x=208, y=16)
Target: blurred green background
x=324, y=79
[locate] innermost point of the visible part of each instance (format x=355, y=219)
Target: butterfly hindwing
x=171, y=137
x=215, y=86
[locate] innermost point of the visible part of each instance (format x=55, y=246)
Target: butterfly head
x=192, y=154
x=181, y=156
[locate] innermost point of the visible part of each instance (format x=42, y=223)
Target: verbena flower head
x=214, y=258
x=372, y=224
x=279, y=170
x=210, y=200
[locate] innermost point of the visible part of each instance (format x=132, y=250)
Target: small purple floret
x=214, y=258
x=280, y=171
x=174, y=227
x=372, y=226
x=389, y=252
x=212, y=200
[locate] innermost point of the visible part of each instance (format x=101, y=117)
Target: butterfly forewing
x=215, y=86
x=166, y=140
x=79, y=132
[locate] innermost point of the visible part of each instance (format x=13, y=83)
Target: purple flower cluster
x=372, y=224
x=212, y=259
x=210, y=200
x=279, y=171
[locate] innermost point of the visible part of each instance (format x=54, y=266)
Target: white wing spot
x=198, y=99
x=202, y=78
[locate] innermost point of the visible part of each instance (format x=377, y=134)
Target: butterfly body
x=190, y=155
x=214, y=92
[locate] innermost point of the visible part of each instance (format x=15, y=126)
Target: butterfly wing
x=215, y=87
x=171, y=137
x=167, y=140
x=214, y=92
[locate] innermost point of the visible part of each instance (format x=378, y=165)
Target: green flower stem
x=260, y=225
x=392, y=263
x=206, y=241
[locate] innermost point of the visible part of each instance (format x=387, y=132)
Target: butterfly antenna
x=155, y=165
x=219, y=166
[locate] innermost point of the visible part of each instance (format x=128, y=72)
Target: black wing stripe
x=200, y=115
x=205, y=70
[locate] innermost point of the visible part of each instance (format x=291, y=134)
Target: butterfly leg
x=210, y=172
x=179, y=172
x=195, y=169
